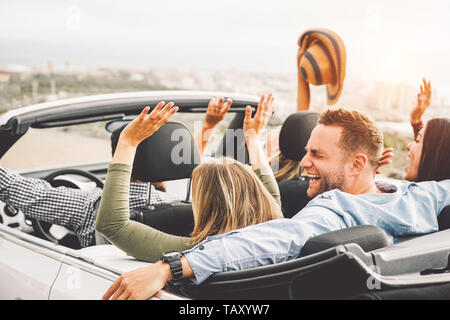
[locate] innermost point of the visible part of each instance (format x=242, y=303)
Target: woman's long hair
x=288, y=168
x=227, y=195
x=434, y=162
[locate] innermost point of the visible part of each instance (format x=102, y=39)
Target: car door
x=27, y=269
x=78, y=282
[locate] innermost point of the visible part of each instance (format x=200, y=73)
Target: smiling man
x=342, y=153
x=341, y=159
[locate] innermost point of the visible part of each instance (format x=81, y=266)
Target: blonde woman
x=226, y=194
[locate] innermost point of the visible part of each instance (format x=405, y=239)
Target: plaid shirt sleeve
x=68, y=207
x=139, y=195
x=36, y=198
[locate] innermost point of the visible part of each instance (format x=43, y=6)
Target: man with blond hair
x=341, y=160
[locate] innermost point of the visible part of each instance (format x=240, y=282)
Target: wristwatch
x=173, y=258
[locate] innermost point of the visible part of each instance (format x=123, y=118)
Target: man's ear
x=360, y=161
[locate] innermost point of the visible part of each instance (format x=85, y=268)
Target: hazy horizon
x=397, y=41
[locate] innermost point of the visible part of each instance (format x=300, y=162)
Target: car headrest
x=444, y=219
x=367, y=237
x=169, y=154
x=295, y=132
x=293, y=195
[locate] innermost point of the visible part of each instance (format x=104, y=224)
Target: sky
x=397, y=41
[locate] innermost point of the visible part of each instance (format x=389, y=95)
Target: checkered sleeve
x=139, y=195
x=36, y=198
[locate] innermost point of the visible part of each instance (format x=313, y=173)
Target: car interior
x=333, y=265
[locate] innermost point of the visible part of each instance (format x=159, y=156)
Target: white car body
x=33, y=268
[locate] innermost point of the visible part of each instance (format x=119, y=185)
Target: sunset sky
x=386, y=40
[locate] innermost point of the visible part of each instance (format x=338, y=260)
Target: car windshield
x=56, y=147
x=85, y=144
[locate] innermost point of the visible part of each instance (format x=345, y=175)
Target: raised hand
x=385, y=159
x=253, y=126
x=139, y=129
x=217, y=109
x=423, y=101
x=145, y=125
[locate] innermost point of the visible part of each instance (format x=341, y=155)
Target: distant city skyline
x=394, y=41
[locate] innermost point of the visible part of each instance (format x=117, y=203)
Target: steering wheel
x=42, y=228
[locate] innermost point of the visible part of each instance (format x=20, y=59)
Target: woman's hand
x=253, y=126
x=139, y=129
x=217, y=109
x=143, y=283
x=423, y=102
x=139, y=284
x=144, y=126
x=386, y=158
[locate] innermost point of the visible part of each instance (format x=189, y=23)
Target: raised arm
x=423, y=102
x=253, y=128
x=141, y=128
x=217, y=109
x=113, y=218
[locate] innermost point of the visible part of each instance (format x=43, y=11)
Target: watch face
x=171, y=254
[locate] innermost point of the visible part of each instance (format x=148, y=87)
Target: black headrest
x=169, y=154
x=295, y=133
x=293, y=195
x=444, y=219
x=367, y=237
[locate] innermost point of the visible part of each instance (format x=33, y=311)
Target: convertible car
x=66, y=142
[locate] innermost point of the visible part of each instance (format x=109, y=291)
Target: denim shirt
x=411, y=210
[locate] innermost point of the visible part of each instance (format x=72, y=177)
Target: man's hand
x=139, y=284
x=386, y=158
x=144, y=126
x=423, y=102
x=253, y=126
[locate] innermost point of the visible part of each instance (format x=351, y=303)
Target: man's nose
x=305, y=162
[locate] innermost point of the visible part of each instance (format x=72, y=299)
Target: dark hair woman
x=429, y=154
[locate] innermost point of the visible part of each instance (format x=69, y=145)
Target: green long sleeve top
x=137, y=239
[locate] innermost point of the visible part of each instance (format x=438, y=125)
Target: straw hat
x=323, y=62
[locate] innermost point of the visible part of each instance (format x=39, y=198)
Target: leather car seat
x=294, y=136
x=444, y=219
x=169, y=154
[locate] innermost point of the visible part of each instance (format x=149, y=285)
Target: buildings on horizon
x=380, y=99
